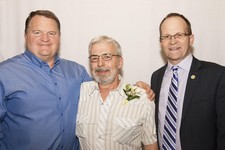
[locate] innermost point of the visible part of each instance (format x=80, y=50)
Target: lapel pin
x=193, y=76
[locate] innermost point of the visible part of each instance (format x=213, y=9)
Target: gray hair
x=105, y=39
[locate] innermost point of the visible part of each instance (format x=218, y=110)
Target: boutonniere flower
x=131, y=93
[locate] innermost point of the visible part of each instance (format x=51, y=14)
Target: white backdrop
x=133, y=23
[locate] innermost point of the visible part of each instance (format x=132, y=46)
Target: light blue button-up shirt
x=38, y=104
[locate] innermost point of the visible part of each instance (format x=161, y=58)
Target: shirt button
x=59, y=98
x=61, y=114
x=55, y=83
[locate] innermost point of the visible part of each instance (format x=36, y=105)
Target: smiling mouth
x=102, y=70
x=44, y=44
x=174, y=48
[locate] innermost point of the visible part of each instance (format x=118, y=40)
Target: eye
x=37, y=32
x=93, y=58
x=165, y=37
x=52, y=33
x=179, y=35
x=107, y=56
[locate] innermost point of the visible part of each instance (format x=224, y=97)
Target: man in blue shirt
x=39, y=91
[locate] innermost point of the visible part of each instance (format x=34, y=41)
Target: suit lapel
x=192, y=81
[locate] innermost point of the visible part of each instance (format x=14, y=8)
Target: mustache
x=99, y=69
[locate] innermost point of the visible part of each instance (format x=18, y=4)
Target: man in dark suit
x=198, y=99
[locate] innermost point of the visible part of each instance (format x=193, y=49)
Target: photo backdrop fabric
x=133, y=23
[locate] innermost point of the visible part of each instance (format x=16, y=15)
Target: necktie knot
x=175, y=72
x=174, y=68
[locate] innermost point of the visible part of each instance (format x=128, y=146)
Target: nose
x=45, y=37
x=173, y=40
x=100, y=61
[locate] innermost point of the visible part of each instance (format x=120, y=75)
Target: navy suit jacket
x=203, y=114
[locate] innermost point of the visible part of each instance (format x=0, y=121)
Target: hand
x=147, y=88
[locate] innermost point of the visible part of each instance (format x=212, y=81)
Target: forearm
x=153, y=146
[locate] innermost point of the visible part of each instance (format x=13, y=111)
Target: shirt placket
x=102, y=123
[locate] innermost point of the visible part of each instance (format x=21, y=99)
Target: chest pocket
x=126, y=130
x=83, y=126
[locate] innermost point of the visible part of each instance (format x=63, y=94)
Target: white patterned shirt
x=113, y=124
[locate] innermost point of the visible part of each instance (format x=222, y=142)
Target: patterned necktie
x=170, y=124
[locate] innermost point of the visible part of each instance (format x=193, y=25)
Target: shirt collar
x=95, y=87
x=185, y=64
x=37, y=61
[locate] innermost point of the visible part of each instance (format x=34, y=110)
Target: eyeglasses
x=105, y=57
x=177, y=36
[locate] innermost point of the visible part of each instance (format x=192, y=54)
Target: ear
x=192, y=38
x=160, y=42
x=120, y=62
x=25, y=36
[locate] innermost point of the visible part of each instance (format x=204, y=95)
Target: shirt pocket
x=82, y=126
x=126, y=130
